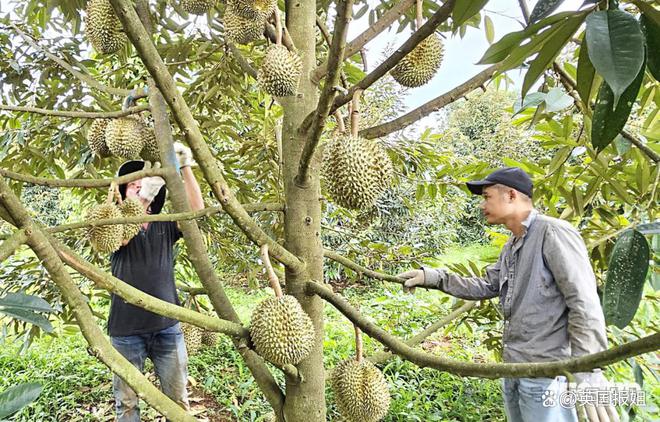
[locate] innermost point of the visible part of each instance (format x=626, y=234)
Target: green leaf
x=531, y=100
x=609, y=121
x=15, y=398
x=550, y=50
x=648, y=10
x=490, y=29
x=543, y=8
x=28, y=316
x=27, y=302
x=649, y=228
x=626, y=274
x=622, y=145
x=464, y=10
x=557, y=99
x=652, y=34
x=616, y=48
x=585, y=74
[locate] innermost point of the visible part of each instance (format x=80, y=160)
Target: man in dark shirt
x=146, y=262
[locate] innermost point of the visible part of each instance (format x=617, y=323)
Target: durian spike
x=278, y=26
x=111, y=192
x=272, y=277
x=420, y=19
x=355, y=113
x=358, y=343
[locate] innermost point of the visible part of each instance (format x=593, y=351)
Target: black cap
x=512, y=177
x=137, y=165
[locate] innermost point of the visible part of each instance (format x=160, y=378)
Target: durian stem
x=358, y=343
x=419, y=9
x=278, y=26
x=272, y=277
x=355, y=113
x=341, y=127
x=111, y=192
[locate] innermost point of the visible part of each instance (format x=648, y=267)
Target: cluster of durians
x=125, y=137
x=195, y=338
x=109, y=238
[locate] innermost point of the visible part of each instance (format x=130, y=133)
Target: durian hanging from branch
x=361, y=391
x=281, y=331
x=254, y=9
x=242, y=29
x=281, y=69
x=197, y=7
x=420, y=65
x=103, y=28
x=108, y=238
x=356, y=170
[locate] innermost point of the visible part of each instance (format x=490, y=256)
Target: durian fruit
x=241, y=30
x=420, y=65
x=105, y=239
x=96, y=138
x=209, y=338
x=150, y=151
x=254, y=9
x=197, y=7
x=192, y=337
x=103, y=28
x=131, y=207
x=125, y=136
x=361, y=391
x=280, y=71
x=281, y=331
x=357, y=171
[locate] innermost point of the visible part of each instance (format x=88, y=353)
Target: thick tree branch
x=93, y=83
x=357, y=267
x=314, y=123
x=100, y=346
x=434, y=105
x=198, y=252
x=143, y=300
x=80, y=183
x=369, y=34
x=77, y=114
x=484, y=370
x=421, y=34
x=184, y=118
x=13, y=242
x=382, y=357
x=205, y=212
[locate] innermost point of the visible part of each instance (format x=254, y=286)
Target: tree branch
x=84, y=78
x=271, y=34
x=421, y=34
x=315, y=121
x=13, y=242
x=369, y=34
x=382, y=357
x=431, y=106
x=80, y=183
x=77, y=114
x=357, y=267
x=247, y=68
x=485, y=370
x=100, y=346
x=184, y=118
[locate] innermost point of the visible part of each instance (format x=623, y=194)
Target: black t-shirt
x=146, y=263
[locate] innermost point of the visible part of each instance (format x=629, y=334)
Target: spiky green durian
x=125, y=136
x=281, y=330
x=103, y=28
x=150, y=151
x=96, y=138
x=197, y=7
x=361, y=391
x=131, y=207
x=209, y=338
x=280, y=71
x=192, y=337
x=356, y=170
x=421, y=64
x=105, y=239
x=241, y=30
x=254, y=9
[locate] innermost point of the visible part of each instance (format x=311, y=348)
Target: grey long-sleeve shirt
x=547, y=293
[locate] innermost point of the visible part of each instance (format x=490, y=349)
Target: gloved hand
x=150, y=187
x=184, y=155
x=413, y=278
x=596, y=381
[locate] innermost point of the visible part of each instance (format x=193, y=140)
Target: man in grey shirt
x=547, y=292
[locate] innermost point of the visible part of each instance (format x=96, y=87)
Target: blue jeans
x=167, y=351
x=536, y=400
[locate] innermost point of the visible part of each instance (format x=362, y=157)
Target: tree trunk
x=305, y=401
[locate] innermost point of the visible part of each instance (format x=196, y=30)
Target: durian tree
x=270, y=93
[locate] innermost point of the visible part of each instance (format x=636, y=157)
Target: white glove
x=150, y=187
x=184, y=155
x=596, y=381
x=413, y=278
